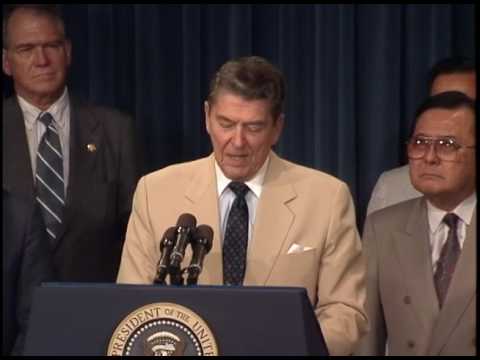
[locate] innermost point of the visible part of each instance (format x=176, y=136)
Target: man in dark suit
x=421, y=253
x=78, y=161
x=26, y=263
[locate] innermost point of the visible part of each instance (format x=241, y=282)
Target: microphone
x=201, y=244
x=166, y=246
x=185, y=226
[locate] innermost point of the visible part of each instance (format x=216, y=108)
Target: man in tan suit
x=301, y=222
x=421, y=254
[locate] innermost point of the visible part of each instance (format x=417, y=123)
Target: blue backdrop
x=355, y=74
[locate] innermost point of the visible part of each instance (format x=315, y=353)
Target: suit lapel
x=84, y=130
x=273, y=220
x=17, y=166
x=413, y=251
x=202, y=194
x=463, y=286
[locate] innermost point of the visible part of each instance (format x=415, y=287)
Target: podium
x=101, y=319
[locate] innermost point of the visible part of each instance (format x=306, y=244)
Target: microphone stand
x=176, y=277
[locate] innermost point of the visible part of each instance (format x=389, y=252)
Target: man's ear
x=278, y=127
x=68, y=50
x=206, y=108
x=6, y=64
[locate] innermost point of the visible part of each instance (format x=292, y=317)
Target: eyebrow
x=435, y=137
x=38, y=43
x=253, y=122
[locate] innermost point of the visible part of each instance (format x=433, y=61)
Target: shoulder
x=10, y=105
x=396, y=175
x=305, y=177
x=177, y=173
x=396, y=215
x=106, y=115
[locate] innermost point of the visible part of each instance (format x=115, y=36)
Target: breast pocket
x=298, y=269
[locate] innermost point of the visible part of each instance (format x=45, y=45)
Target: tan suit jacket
x=402, y=304
x=297, y=205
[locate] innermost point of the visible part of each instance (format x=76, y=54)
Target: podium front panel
x=80, y=319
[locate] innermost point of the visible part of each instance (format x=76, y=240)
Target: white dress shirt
x=439, y=230
x=226, y=197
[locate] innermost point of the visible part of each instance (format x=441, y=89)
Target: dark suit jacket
x=100, y=186
x=402, y=304
x=26, y=263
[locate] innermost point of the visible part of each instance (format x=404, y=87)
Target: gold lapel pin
x=91, y=147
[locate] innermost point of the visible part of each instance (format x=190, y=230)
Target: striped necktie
x=50, y=190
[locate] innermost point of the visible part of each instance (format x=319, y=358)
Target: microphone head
x=205, y=234
x=187, y=221
x=168, y=236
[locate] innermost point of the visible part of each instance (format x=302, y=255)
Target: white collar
x=255, y=184
x=464, y=211
x=31, y=113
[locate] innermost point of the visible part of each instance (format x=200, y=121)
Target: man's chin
x=236, y=173
x=429, y=189
x=48, y=90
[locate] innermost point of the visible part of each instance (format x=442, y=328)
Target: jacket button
x=411, y=344
x=407, y=300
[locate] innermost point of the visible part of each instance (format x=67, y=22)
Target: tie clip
x=91, y=147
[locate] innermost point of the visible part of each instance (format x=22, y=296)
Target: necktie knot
x=46, y=119
x=451, y=220
x=239, y=188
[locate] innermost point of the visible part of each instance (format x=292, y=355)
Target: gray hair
x=252, y=78
x=49, y=10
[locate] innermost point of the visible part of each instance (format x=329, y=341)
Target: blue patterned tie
x=448, y=259
x=236, y=237
x=50, y=190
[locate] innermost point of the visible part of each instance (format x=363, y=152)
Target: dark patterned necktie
x=236, y=237
x=50, y=190
x=448, y=258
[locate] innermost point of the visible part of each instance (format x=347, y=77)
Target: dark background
x=354, y=73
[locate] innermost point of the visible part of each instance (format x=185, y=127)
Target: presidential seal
x=162, y=329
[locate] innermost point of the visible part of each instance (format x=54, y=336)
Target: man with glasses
x=450, y=74
x=421, y=253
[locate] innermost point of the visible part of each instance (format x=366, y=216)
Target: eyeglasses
x=446, y=148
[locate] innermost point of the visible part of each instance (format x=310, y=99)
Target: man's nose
x=239, y=136
x=431, y=154
x=41, y=57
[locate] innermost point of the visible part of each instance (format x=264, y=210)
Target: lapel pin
x=91, y=148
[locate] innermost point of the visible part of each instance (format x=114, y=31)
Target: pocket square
x=296, y=248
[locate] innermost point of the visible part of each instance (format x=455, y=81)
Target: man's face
x=242, y=133
x=462, y=82
x=445, y=183
x=37, y=57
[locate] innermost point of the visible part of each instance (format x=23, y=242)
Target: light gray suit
x=402, y=304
